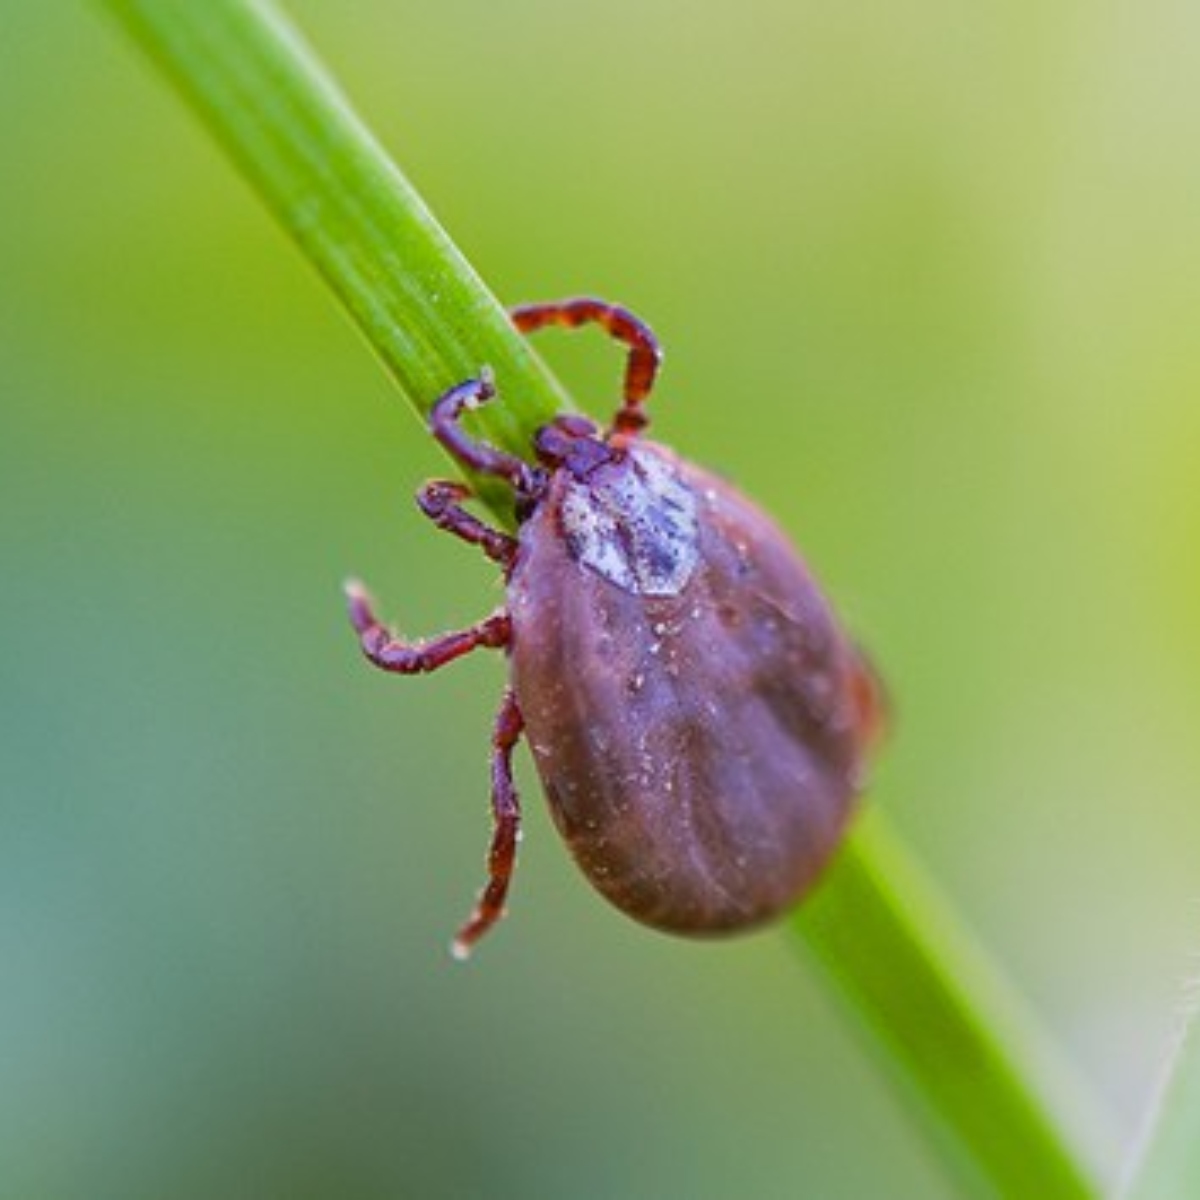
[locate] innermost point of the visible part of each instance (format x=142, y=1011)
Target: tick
x=697, y=716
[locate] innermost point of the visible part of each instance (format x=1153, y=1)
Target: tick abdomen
x=688, y=696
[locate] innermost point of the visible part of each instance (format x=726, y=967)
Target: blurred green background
x=928, y=279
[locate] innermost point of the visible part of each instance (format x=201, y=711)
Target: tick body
x=697, y=717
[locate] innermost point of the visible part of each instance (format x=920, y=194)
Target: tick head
x=571, y=442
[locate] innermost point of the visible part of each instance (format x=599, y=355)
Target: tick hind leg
x=645, y=354
x=391, y=653
x=506, y=812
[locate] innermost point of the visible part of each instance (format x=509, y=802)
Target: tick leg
x=645, y=354
x=390, y=653
x=506, y=811
x=439, y=501
x=871, y=702
x=479, y=456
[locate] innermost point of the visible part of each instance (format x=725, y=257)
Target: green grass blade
x=248, y=74
x=1169, y=1165
x=914, y=981
x=977, y=1072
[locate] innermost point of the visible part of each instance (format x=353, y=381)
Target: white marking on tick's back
x=634, y=523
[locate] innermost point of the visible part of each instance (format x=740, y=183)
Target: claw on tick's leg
x=390, y=653
x=506, y=810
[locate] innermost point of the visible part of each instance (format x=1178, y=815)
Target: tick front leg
x=506, y=811
x=444, y=424
x=390, y=653
x=440, y=500
x=645, y=354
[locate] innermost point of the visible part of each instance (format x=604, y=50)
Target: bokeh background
x=928, y=278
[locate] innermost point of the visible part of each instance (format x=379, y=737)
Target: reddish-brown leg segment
x=390, y=653
x=871, y=702
x=645, y=354
x=506, y=811
x=479, y=456
x=439, y=501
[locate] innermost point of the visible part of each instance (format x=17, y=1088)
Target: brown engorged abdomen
x=700, y=751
